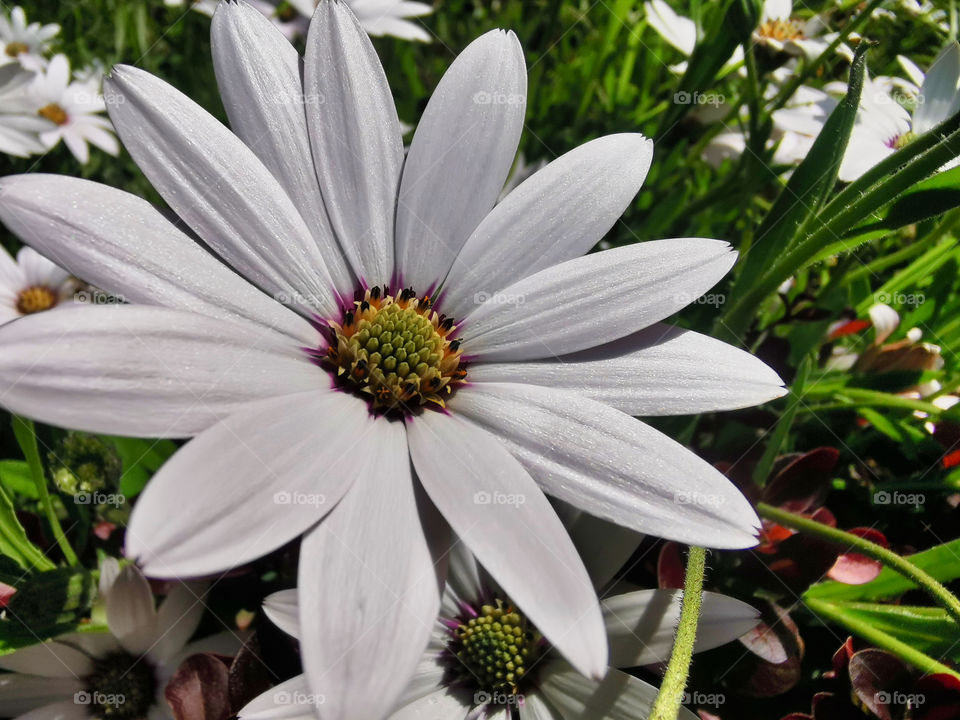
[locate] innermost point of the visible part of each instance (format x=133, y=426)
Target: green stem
x=850, y=397
x=890, y=559
x=879, y=638
x=27, y=438
x=670, y=697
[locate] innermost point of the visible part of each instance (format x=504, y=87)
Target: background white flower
x=20, y=126
x=22, y=42
x=31, y=284
x=88, y=675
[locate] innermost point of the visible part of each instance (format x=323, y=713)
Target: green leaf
x=930, y=630
x=13, y=539
x=811, y=183
x=141, y=458
x=941, y=562
x=934, y=196
x=16, y=479
x=12, y=643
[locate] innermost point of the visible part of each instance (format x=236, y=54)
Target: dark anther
x=348, y=317
x=447, y=324
x=455, y=345
x=364, y=306
x=375, y=292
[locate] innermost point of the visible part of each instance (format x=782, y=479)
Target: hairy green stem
x=943, y=597
x=670, y=697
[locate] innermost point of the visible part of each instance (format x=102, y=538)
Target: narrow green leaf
x=13, y=539
x=927, y=629
x=15, y=477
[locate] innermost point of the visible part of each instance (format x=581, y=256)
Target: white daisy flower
x=31, y=284
x=120, y=674
x=780, y=31
x=19, y=124
x=456, y=677
x=520, y=366
x=74, y=110
x=883, y=125
x=24, y=43
x=378, y=17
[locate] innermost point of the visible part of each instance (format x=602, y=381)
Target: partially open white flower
x=22, y=42
x=31, y=284
x=119, y=674
x=73, y=109
x=395, y=352
x=485, y=657
x=681, y=33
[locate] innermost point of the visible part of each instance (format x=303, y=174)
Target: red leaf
x=670, y=568
x=6, y=592
x=199, y=689
x=852, y=327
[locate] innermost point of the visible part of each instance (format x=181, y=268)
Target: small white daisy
x=31, y=284
x=74, y=110
x=485, y=657
x=24, y=43
x=120, y=674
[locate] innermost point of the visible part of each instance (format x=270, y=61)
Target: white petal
x=642, y=625
x=22, y=693
x=495, y=508
x=141, y=371
x=681, y=32
x=249, y=484
x=592, y=300
x=50, y=659
x=536, y=707
x=177, y=619
x=446, y=704
x=612, y=465
x=557, y=214
x=661, y=370
x=356, y=140
x=939, y=95
x=63, y=710
x=617, y=697
x=220, y=188
x=368, y=586
x=122, y=244
x=258, y=73
x=431, y=671
x=283, y=610
x=290, y=700
x=131, y=614
x=460, y=156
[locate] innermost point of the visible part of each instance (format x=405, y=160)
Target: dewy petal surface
x=249, y=484
x=122, y=244
x=369, y=586
x=557, y=214
x=611, y=465
x=521, y=542
x=220, y=189
x=258, y=73
x=594, y=299
x=460, y=156
x=355, y=136
x=661, y=370
x=642, y=625
x=143, y=371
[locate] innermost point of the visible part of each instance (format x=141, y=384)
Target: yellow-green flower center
x=121, y=687
x=780, y=29
x=16, y=48
x=395, y=350
x=54, y=113
x=36, y=298
x=497, y=648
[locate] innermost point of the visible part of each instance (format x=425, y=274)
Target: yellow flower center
x=780, y=29
x=15, y=48
x=497, y=648
x=54, y=113
x=36, y=298
x=396, y=351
